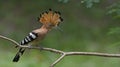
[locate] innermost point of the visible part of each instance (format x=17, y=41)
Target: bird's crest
x=50, y=18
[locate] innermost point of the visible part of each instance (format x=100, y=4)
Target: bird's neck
x=42, y=30
x=45, y=28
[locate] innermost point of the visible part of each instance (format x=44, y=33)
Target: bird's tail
x=19, y=53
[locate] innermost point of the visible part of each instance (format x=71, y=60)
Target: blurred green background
x=89, y=25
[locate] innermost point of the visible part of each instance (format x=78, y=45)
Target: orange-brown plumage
x=50, y=18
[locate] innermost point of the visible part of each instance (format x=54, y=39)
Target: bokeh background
x=89, y=25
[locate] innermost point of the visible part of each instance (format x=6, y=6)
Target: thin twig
x=11, y=40
x=63, y=54
x=58, y=60
x=53, y=50
x=93, y=54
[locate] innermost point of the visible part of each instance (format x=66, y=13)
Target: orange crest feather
x=51, y=18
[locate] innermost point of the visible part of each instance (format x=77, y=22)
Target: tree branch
x=58, y=60
x=63, y=54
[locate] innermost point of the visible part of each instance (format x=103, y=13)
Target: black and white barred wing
x=32, y=36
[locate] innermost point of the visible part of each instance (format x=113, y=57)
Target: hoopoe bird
x=49, y=20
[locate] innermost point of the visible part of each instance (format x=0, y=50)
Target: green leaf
x=89, y=3
x=114, y=10
x=63, y=1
